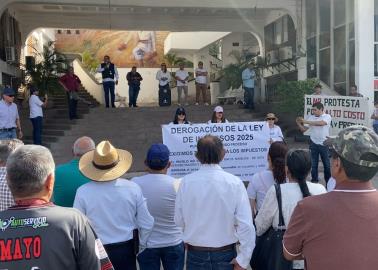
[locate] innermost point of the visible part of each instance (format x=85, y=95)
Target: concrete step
x=45, y=138
x=52, y=132
x=61, y=121
x=57, y=126
x=30, y=141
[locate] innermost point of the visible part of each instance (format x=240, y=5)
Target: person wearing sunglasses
x=180, y=117
x=275, y=132
x=10, y=125
x=218, y=116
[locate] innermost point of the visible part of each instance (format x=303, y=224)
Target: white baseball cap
x=218, y=109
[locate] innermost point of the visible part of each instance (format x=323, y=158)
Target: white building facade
x=335, y=41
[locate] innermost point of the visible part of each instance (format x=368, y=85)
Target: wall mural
x=125, y=48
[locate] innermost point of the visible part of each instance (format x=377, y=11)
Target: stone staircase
x=135, y=129
x=56, y=121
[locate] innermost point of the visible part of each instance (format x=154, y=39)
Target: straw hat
x=105, y=163
x=271, y=115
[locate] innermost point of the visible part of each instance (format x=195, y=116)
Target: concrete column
x=302, y=46
x=364, y=27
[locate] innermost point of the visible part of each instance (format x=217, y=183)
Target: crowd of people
x=84, y=215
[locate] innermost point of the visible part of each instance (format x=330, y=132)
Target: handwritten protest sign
x=345, y=111
x=246, y=145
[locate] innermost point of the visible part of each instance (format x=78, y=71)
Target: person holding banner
x=353, y=92
x=318, y=90
x=213, y=210
x=275, y=132
x=317, y=126
x=180, y=117
x=218, y=116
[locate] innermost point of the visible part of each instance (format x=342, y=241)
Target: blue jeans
x=248, y=97
x=316, y=150
x=37, y=129
x=133, y=94
x=375, y=127
x=171, y=257
x=109, y=88
x=12, y=134
x=72, y=107
x=214, y=260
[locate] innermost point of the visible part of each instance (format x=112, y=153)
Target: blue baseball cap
x=157, y=156
x=8, y=91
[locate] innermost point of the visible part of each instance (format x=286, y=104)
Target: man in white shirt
x=213, y=210
x=164, y=78
x=201, y=83
x=182, y=77
x=114, y=206
x=36, y=114
x=165, y=243
x=318, y=126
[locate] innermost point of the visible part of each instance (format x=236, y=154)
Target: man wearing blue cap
x=165, y=242
x=10, y=123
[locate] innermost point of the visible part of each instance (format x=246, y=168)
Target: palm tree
x=172, y=60
x=45, y=74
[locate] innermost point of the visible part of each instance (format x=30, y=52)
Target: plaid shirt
x=6, y=198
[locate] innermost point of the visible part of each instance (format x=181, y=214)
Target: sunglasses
x=271, y=119
x=10, y=95
x=181, y=114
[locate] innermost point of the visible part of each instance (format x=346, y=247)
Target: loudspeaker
x=165, y=97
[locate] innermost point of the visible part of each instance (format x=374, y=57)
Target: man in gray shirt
x=165, y=242
x=36, y=234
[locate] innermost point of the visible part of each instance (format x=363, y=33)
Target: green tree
x=172, y=60
x=291, y=95
x=45, y=74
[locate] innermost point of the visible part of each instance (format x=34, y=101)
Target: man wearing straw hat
x=115, y=206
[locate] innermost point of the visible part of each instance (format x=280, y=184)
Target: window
x=325, y=66
x=376, y=38
x=311, y=18
x=339, y=55
x=325, y=23
x=339, y=7
x=311, y=57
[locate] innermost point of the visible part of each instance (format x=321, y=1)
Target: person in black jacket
x=109, y=79
x=133, y=79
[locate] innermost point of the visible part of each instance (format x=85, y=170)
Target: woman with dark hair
x=180, y=117
x=298, y=166
x=218, y=116
x=262, y=181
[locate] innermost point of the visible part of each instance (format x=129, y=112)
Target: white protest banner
x=345, y=111
x=246, y=145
